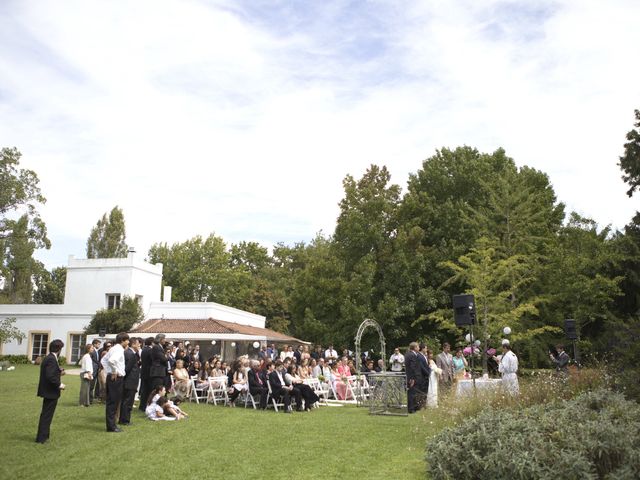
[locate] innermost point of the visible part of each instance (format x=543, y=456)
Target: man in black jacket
x=279, y=389
x=145, y=375
x=414, y=376
x=49, y=388
x=257, y=385
x=94, y=387
x=423, y=360
x=131, y=379
x=158, y=369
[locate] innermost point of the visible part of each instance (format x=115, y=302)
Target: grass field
x=216, y=442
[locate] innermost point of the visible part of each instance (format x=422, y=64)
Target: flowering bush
x=595, y=435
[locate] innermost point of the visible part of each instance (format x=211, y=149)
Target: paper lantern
x=213, y=342
x=468, y=337
x=256, y=344
x=506, y=330
x=477, y=343
x=233, y=344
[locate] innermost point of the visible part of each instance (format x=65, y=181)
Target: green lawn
x=216, y=442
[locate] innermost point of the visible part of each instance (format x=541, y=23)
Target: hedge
x=593, y=436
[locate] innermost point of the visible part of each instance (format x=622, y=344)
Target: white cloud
x=243, y=118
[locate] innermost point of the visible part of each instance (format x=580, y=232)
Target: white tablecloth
x=465, y=387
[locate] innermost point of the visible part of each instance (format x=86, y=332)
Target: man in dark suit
x=298, y=355
x=414, y=376
x=49, y=388
x=423, y=359
x=94, y=387
x=279, y=388
x=158, y=369
x=257, y=385
x=145, y=375
x=131, y=379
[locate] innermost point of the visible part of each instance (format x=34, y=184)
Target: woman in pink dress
x=339, y=380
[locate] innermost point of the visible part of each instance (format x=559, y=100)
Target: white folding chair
x=321, y=391
x=218, y=390
x=197, y=393
x=273, y=402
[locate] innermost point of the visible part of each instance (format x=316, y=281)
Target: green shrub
x=62, y=360
x=593, y=436
x=15, y=359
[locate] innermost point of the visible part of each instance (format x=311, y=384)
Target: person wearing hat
x=508, y=367
x=158, y=370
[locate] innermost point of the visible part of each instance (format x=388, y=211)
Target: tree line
x=468, y=221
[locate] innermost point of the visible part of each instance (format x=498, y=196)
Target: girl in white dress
x=432, y=394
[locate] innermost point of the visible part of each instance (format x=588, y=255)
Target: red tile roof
x=210, y=325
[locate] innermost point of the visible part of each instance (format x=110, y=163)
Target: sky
x=242, y=118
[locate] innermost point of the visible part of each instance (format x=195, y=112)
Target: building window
x=78, y=342
x=113, y=301
x=139, y=299
x=39, y=343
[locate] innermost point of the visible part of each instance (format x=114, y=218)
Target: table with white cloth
x=465, y=387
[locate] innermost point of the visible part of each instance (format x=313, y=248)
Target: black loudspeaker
x=570, y=329
x=464, y=310
x=102, y=332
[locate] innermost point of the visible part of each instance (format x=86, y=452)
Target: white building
x=94, y=284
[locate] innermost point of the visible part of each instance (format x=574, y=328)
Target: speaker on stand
x=464, y=314
x=572, y=334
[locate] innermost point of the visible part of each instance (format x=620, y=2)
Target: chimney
x=166, y=296
x=132, y=252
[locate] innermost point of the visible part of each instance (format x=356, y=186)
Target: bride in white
x=432, y=394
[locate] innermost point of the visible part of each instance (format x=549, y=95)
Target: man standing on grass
x=414, y=377
x=49, y=388
x=131, y=379
x=95, y=359
x=145, y=373
x=113, y=363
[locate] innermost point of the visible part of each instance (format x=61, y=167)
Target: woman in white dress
x=432, y=394
x=508, y=367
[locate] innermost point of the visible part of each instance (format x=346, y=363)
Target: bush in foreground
x=594, y=436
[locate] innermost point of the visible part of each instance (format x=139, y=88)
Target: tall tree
x=107, y=238
x=20, y=266
x=630, y=161
x=50, y=286
x=22, y=231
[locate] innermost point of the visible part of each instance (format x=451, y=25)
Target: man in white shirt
x=113, y=363
x=330, y=354
x=508, y=366
x=396, y=361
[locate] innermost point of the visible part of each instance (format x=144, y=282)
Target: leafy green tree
x=50, y=286
x=22, y=231
x=117, y=320
x=630, y=161
x=20, y=266
x=20, y=195
x=8, y=331
x=107, y=238
x=490, y=278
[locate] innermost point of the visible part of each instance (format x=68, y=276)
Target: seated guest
x=286, y=363
x=155, y=411
x=339, y=381
x=225, y=368
x=257, y=385
x=314, y=368
x=194, y=369
x=202, y=377
x=305, y=355
x=367, y=367
x=293, y=378
x=343, y=367
x=239, y=382
x=303, y=369
x=172, y=409
x=181, y=380
x=380, y=366
x=279, y=388
x=352, y=367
